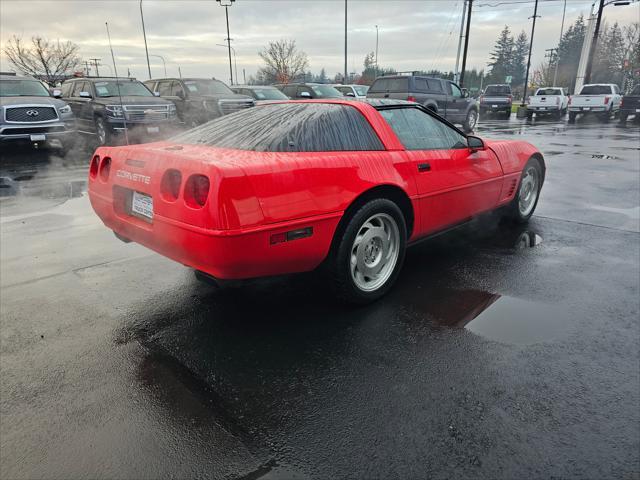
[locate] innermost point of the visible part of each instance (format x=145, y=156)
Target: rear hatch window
x=390, y=85
x=498, y=90
x=548, y=91
x=288, y=127
x=595, y=90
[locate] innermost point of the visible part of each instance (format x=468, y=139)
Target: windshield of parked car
x=389, y=85
x=288, y=127
x=549, y=91
x=498, y=90
x=361, y=89
x=109, y=88
x=325, y=91
x=268, y=94
x=595, y=90
x=22, y=88
x=207, y=87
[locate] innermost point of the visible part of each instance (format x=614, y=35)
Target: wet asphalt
x=503, y=352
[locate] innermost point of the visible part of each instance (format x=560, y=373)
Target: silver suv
x=29, y=114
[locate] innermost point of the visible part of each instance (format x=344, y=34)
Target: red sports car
x=288, y=187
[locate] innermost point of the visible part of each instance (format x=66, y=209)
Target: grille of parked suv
x=30, y=114
x=139, y=113
x=230, y=106
x=30, y=130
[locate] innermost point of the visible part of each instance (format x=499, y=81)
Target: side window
x=150, y=85
x=66, y=89
x=176, y=89
x=455, y=91
x=418, y=130
x=290, y=90
x=421, y=84
x=77, y=88
x=434, y=85
x=164, y=88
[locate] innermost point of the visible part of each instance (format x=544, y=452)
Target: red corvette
x=287, y=187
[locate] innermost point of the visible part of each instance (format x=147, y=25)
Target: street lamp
x=144, y=34
x=226, y=4
x=163, y=63
x=235, y=58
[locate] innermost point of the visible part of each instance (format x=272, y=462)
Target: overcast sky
x=414, y=34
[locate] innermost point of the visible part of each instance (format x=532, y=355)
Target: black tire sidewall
x=339, y=262
x=107, y=136
x=514, y=210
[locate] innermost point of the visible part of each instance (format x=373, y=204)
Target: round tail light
x=196, y=191
x=105, y=168
x=170, y=185
x=93, y=168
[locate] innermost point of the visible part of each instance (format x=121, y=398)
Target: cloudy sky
x=414, y=34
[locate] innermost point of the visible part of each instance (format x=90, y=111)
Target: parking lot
x=502, y=352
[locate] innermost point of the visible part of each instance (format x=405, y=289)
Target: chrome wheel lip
x=374, y=253
x=101, y=132
x=529, y=190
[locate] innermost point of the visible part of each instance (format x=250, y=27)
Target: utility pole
x=226, y=4
x=95, y=62
x=87, y=71
x=526, y=76
x=594, y=44
x=456, y=72
x=345, y=42
x=244, y=76
x=144, y=34
x=466, y=43
x=584, y=53
x=555, y=75
x=552, y=55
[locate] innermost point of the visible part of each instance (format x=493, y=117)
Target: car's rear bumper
x=226, y=254
x=599, y=109
x=495, y=107
x=543, y=109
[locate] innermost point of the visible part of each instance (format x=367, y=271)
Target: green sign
x=507, y=79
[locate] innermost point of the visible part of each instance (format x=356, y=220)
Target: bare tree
x=283, y=62
x=43, y=58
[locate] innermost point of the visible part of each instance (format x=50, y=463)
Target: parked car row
x=107, y=107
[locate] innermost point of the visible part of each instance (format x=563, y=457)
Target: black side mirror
x=475, y=143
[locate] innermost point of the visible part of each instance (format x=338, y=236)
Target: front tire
x=102, y=132
x=368, y=252
x=524, y=203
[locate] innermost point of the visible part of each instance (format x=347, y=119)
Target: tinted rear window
x=498, y=90
x=288, y=127
x=549, y=91
x=390, y=85
x=595, y=90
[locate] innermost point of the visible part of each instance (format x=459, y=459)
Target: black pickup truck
x=444, y=97
x=630, y=105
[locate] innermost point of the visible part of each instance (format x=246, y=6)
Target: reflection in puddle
x=527, y=240
x=500, y=318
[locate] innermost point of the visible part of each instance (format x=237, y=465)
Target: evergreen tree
x=520, y=56
x=609, y=58
x=569, y=50
x=502, y=57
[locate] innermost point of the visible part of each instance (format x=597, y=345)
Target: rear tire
x=526, y=199
x=572, y=117
x=102, y=132
x=623, y=118
x=471, y=121
x=529, y=115
x=368, y=252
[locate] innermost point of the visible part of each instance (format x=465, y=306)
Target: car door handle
x=424, y=167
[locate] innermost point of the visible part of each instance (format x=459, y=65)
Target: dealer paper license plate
x=142, y=205
x=38, y=137
x=153, y=129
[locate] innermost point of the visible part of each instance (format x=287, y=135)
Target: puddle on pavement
x=500, y=318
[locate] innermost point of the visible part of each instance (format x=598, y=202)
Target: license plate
x=543, y=108
x=494, y=106
x=38, y=138
x=586, y=108
x=153, y=129
x=637, y=110
x=142, y=205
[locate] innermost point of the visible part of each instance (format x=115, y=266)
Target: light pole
x=555, y=75
x=163, y=63
x=594, y=42
x=526, y=75
x=226, y=4
x=466, y=42
x=456, y=72
x=345, y=42
x=235, y=59
x=144, y=34
x=376, y=72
